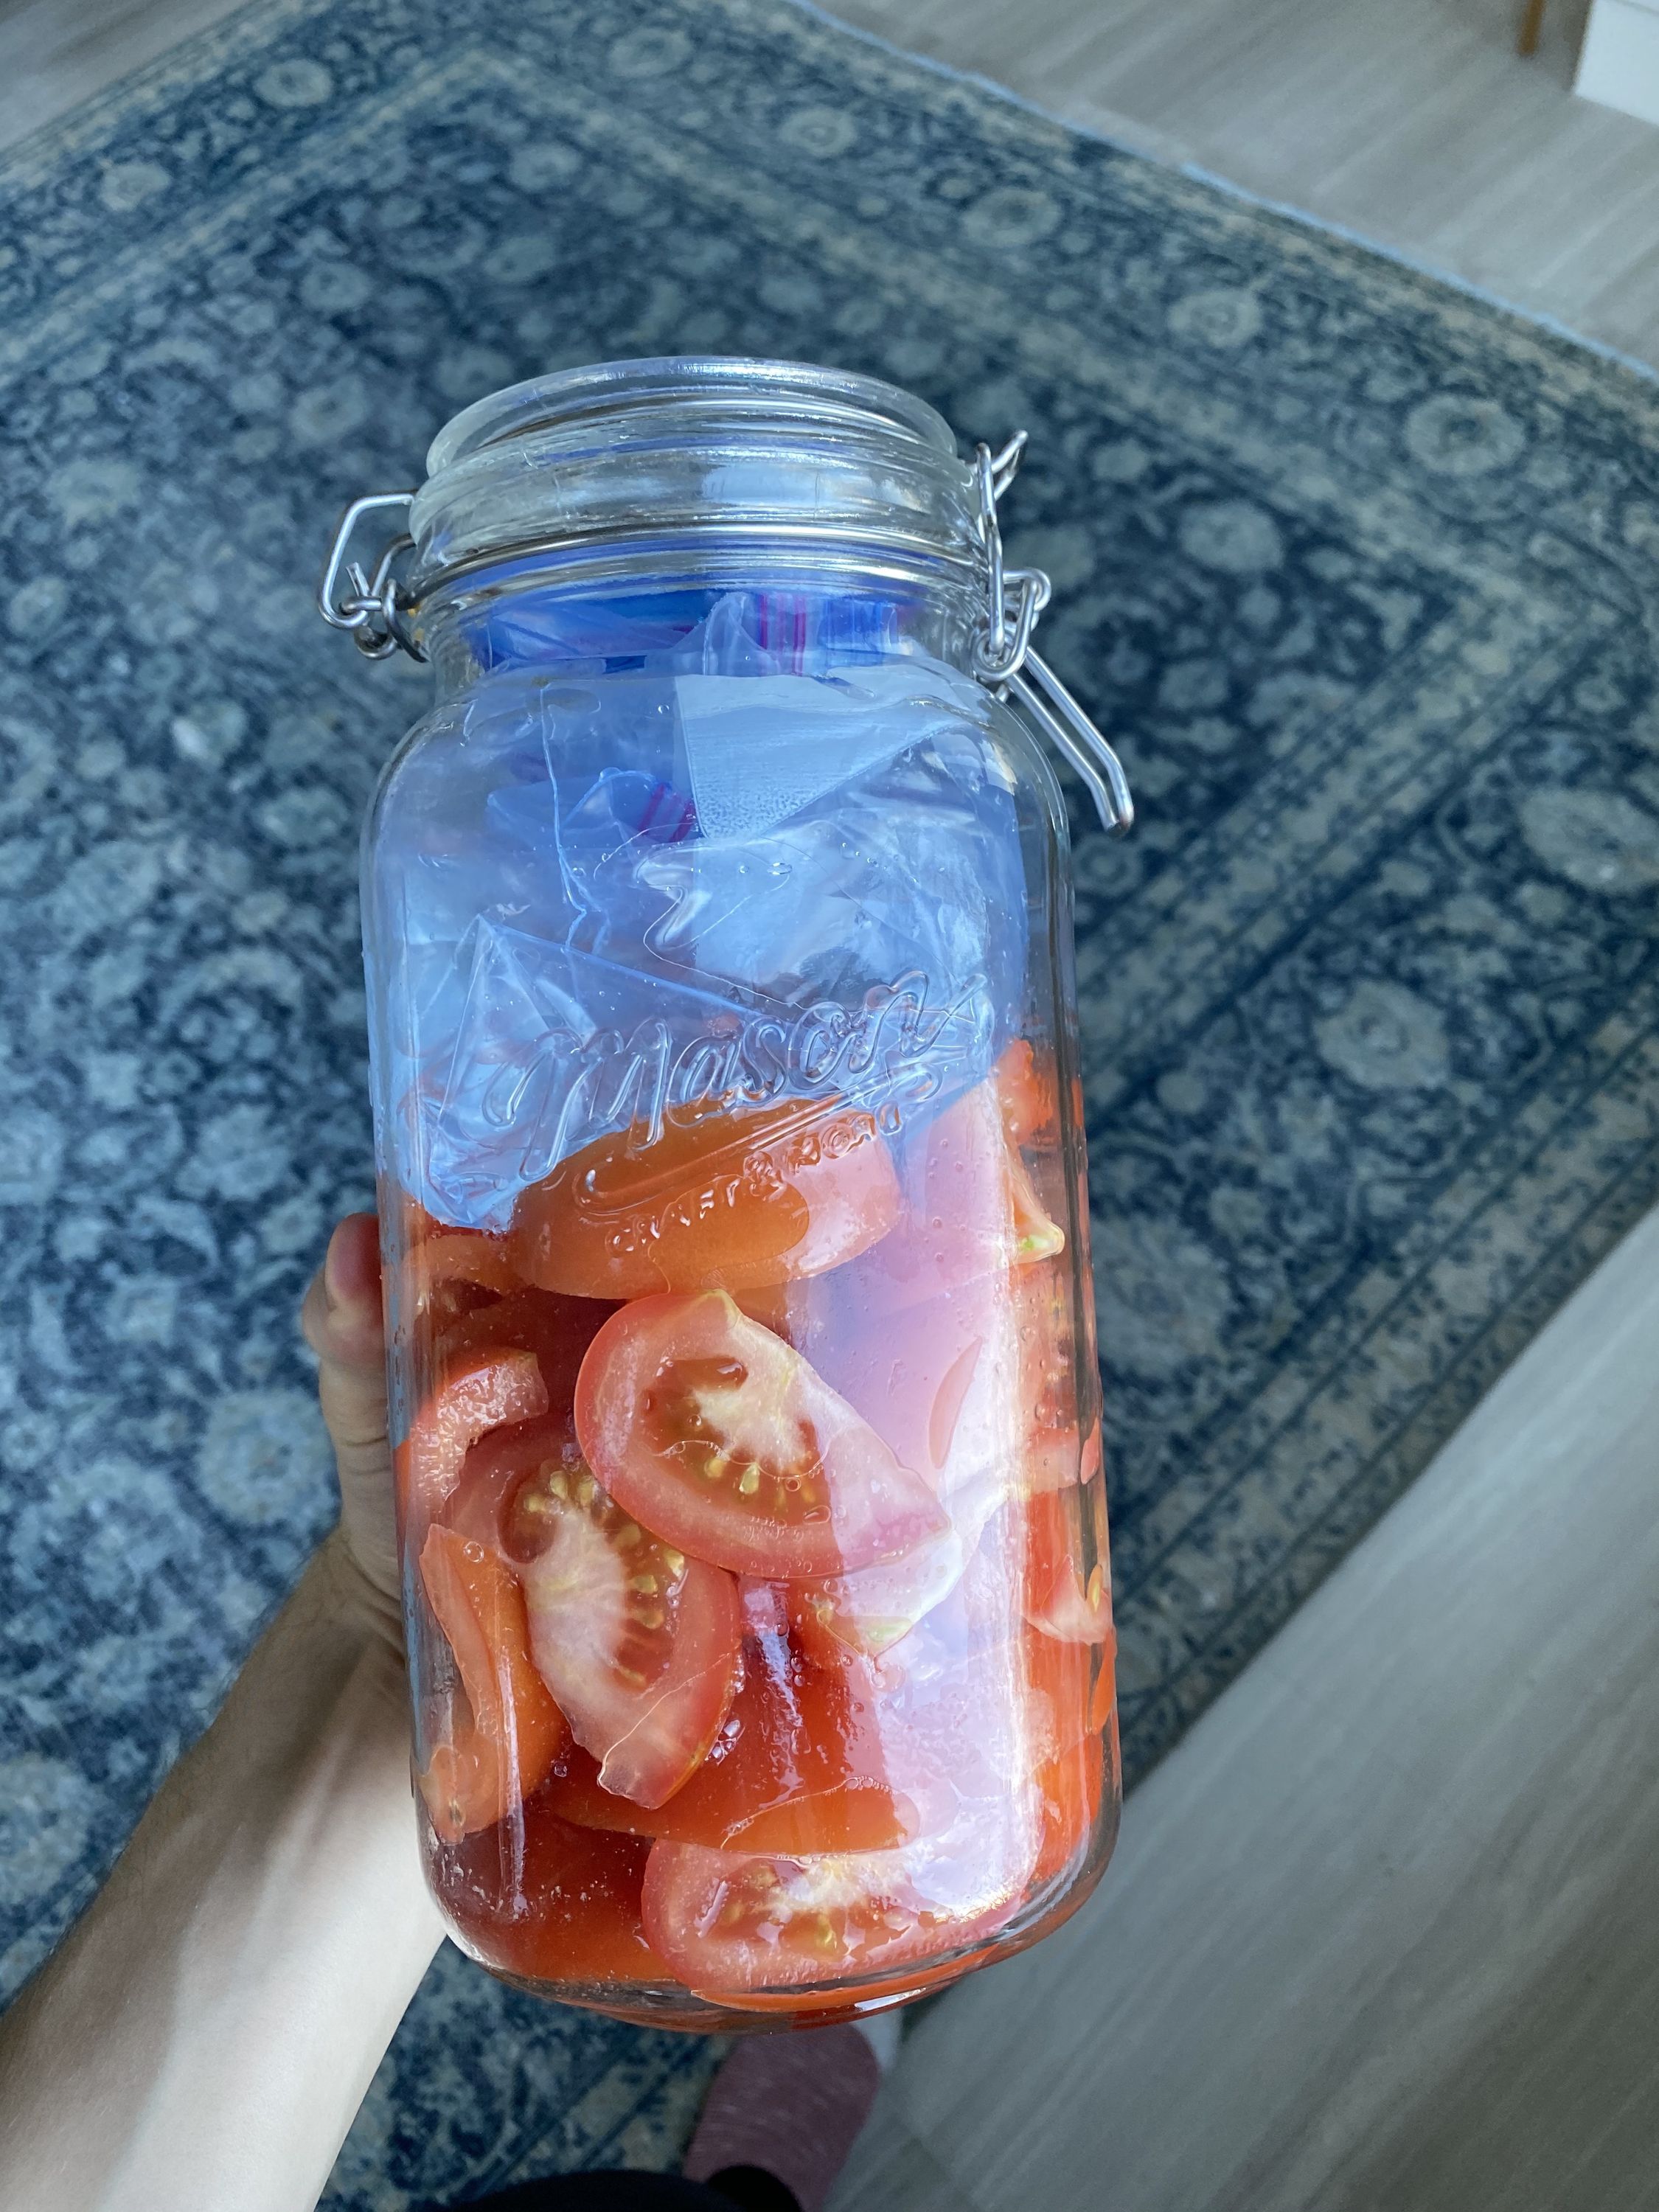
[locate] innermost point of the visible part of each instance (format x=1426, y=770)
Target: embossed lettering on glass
x=747, y=1418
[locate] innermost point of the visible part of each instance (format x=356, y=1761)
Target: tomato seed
x=750, y=1480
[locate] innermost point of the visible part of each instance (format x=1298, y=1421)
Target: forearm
x=203, y=2038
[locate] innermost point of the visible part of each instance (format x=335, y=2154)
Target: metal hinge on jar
x=1006, y=663
x=374, y=610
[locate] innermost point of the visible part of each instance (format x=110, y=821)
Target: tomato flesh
x=505, y=1747
x=637, y=1642
x=734, y=1924
x=800, y=1766
x=556, y=1331
x=732, y=1201
x=1061, y=1600
x=1026, y=1095
x=970, y=1208
x=718, y=1437
x=477, y=1391
x=869, y=1614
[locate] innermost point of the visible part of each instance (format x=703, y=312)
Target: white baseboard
x=1619, y=63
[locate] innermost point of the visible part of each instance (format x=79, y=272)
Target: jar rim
x=800, y=390
x=632, y=450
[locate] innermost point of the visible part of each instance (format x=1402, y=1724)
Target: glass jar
x=743, y=1371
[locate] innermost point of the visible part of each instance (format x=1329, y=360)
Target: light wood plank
x=1381, y=1935
x=1417, y=126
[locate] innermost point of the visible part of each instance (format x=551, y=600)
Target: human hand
x=343, y=1321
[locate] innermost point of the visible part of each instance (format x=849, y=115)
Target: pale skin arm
x=202, y=2039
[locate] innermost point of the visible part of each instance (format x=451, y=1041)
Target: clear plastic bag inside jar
x=748, y=1440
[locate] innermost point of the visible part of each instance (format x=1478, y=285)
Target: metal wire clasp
x=1006, y=663
x=373, y=609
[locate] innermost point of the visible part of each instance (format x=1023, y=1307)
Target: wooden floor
x=1413, y=123
x=1382, y=1935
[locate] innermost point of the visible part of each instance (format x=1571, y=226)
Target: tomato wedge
x=725, y=1201
x=713, y=1433
x=1026, y=1094
x=478, y=1390
x=735, y=1924
x=800, y=1766
x=971, y=1209
x=938, y=1380
x=538, y=1897
x=637, y=1644
x=1070, y=1773
x=870, y=1614
x=1059, y=1601
x=557, y=1330
x=507, y=1747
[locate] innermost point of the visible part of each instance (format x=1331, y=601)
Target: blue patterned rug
x=1358, y=569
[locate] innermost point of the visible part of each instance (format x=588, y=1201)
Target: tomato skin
x=1058, y=1602
x=515, y=1732
x=730, y=1201
x=970, y=1208
x=638, y=1645
x=557, y=1330
x=800, y=1766
x=465, y=1256
x=477, y=1392
x=772, y=1474
x=1026, y=1093
x=538, y=1897
x=869, y=1614
x=735, y=1924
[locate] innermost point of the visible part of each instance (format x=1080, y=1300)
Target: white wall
x=1619, y=63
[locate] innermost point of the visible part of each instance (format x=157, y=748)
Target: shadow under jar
x=743, y=1367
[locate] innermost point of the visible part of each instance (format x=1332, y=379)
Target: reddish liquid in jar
x=763, y=1617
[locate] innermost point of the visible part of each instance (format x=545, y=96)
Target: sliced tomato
x=735, y=1924
x=716, y=1434
x=1026, y=1093
x=938, y=1380
x=637, y=1642
x=869, y=1614
x=505, y=1746
x=1070, y=1770
x=538, y=1898
x=800, y=1766
x=725, y=1200
x=557, y=1330
x=452, y=1272
x=969, y=1209
x=1062, y=1601
x=476, y=1391
x=1070, y=1650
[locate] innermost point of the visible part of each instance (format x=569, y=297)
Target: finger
x=342, y=1320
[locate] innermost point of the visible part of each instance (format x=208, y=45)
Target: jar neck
x=757, y=618
x=764, y=477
